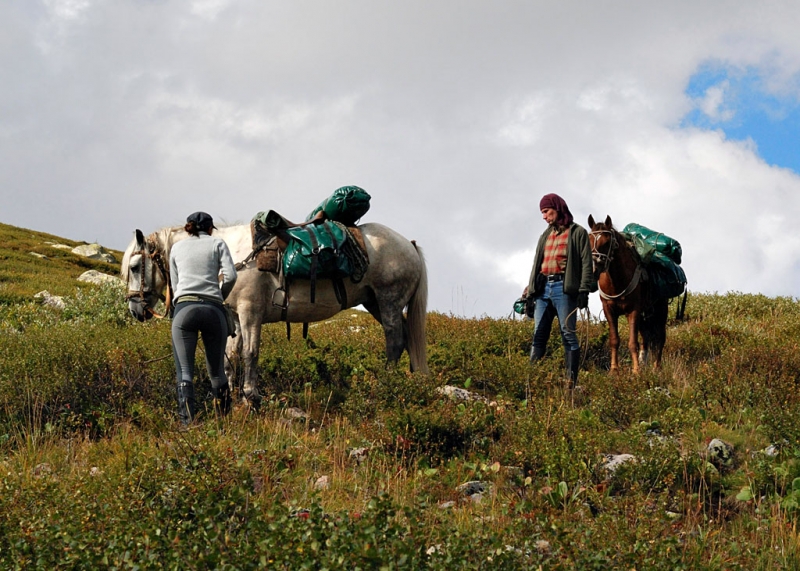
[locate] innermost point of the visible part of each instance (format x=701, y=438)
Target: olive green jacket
x=578, y=275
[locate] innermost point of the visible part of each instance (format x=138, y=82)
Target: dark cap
x=202, y=220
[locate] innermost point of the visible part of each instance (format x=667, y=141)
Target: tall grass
x=95, y=471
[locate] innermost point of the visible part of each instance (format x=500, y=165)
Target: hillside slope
x=30, y=263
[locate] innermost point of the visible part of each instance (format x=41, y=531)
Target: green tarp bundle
x=326, y=239
x=658, y=240
x=346, y=205
x=662, y=257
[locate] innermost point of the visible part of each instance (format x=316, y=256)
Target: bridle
x=599, y=257
x=149, y=250
x=604, y=260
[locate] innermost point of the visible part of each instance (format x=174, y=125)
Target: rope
x=354, y=254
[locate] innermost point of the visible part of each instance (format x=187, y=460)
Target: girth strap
x=314, y=262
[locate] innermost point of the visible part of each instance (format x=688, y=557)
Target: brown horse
x=625, y=290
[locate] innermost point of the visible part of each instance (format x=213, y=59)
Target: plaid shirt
x=555, y=253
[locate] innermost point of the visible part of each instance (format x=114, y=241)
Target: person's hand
x=583, y=299
x=525, y=292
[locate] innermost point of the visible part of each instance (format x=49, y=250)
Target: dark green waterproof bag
x=346, y=205
x=315, y=251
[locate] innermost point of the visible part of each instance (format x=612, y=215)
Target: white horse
x=395, y=279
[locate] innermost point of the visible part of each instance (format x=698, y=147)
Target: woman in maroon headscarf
x=561, y=280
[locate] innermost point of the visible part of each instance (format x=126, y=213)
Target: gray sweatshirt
x=195, y=266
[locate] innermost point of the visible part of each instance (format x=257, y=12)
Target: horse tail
x=416, y=318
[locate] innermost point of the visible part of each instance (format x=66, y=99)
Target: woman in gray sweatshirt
x=196, y=265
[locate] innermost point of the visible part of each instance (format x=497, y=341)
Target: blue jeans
x=555, y=303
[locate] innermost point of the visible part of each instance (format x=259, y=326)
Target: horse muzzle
x=139, y=308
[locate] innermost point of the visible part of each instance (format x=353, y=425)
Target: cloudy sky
x=455, y=115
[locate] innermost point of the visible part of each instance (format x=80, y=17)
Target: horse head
x=146, y=272
x=603, y=240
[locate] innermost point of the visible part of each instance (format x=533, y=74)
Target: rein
x=600, y=258
x=152, y=252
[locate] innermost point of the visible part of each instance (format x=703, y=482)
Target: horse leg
x=233, y=351
x=633, y=339
x=613, y=337
x=250, y=324
x=394, y=329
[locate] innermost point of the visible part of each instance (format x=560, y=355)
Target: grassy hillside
x=349, y=465
x=29, y=264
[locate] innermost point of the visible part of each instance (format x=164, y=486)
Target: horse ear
x=591, y=221
x=608, y=221
x=139, y=237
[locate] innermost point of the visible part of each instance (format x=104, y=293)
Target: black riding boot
x=573, y=359
x=222, y=400
x=537, y=353
x=186, y=404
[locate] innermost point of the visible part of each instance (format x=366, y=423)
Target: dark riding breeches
x=205, y=318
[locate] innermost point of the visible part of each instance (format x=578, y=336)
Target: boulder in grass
x=473, y=487
x=98, y=278
x=612, y=462
x=50, y=300
x=460, y=395
x=720, y=454
x=94, y=252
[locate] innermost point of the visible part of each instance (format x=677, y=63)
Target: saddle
x=316, y=249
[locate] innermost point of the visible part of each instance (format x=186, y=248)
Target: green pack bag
x=661, y=242
x=667, y=278
x=316, y=249
x=346, y=205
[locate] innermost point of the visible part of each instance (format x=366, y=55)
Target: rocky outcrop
x=94, y=252
x=99, y=278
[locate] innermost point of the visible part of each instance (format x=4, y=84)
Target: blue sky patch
x=737, y=101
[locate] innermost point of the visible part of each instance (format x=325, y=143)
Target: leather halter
x=605, y=259
x=152, y=253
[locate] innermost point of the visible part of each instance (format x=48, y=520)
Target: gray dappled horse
x=395, y=279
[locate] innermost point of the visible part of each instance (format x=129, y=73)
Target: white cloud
x=713, y=103
x=209, y=9
x=456, y=121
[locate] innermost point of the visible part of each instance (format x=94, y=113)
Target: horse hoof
x=253, y=399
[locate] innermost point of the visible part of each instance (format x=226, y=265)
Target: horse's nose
x=136, y=311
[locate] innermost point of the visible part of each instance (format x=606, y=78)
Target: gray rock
x=473, y=487
x=99, y=278
x=459, y=394
x=50, y=300
x=295, y=413
x=612, y=462
x=322, y=483
x=358, y=455
x=94, y=252
x=38, y=255
x=720, y=453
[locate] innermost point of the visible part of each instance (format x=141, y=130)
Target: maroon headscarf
x=557, y=203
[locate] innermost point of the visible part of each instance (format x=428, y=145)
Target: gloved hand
x=583, y=299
